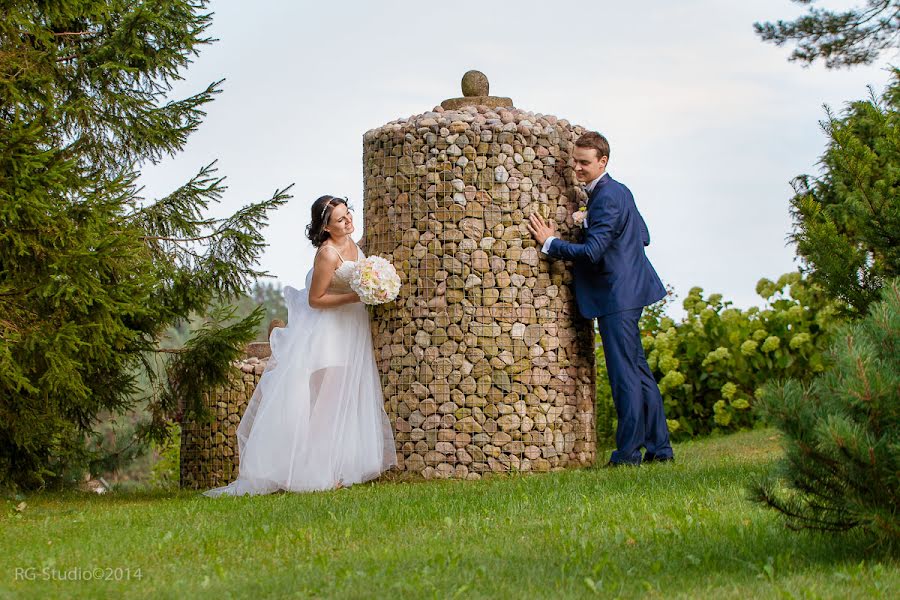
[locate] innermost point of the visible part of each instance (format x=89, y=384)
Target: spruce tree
x=92, y=273
x=847, y=221
x=842, y=433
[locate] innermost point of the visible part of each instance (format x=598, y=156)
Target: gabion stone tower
x=485, y=363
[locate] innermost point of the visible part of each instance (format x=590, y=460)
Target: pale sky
x=707, y=124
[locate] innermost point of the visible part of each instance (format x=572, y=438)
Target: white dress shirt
x=545, y=249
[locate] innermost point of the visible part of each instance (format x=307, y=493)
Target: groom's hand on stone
x=539, y=229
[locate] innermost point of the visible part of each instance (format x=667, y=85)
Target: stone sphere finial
x=475, y=83
x=475, y=89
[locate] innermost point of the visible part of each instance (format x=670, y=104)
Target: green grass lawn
x=683, y=530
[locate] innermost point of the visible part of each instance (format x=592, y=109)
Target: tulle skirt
x=316, y=418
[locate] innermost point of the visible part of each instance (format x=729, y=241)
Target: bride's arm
x=325, y=265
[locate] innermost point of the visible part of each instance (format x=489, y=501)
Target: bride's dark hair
x=321, y=212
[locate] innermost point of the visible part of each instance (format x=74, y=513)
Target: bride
x=316, y=420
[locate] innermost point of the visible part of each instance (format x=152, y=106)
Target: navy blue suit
x=614, y=281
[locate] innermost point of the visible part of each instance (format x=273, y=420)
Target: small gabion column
x=486, y=365
x=209, y=451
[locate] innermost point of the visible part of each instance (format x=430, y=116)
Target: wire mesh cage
x=486, y=365
x=209, y=450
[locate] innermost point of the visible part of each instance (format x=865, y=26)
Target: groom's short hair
x=594, y=140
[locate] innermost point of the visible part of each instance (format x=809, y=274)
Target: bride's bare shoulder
x=327, y=256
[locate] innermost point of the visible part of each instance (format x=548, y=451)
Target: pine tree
x=841, y=39
x=842, y=433
x=91, y=273
x=847, y=222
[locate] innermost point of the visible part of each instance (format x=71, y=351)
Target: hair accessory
x=343, y=200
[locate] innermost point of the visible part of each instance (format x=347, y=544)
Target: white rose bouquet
x=375, y=280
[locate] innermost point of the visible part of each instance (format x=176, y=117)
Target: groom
x=613, y=282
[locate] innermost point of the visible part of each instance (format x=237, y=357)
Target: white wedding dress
x=316, y=419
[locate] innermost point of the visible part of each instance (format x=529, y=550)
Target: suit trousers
x=639, y=404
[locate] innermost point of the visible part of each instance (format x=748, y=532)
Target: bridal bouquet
x=375, y=280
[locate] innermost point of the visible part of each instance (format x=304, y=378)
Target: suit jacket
x=611, y=271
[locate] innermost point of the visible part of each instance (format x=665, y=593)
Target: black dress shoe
x=659, y=459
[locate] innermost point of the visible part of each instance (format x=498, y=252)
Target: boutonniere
x=579, y=215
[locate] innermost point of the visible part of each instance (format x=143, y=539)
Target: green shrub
x=710, y=365
x=842, y=432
